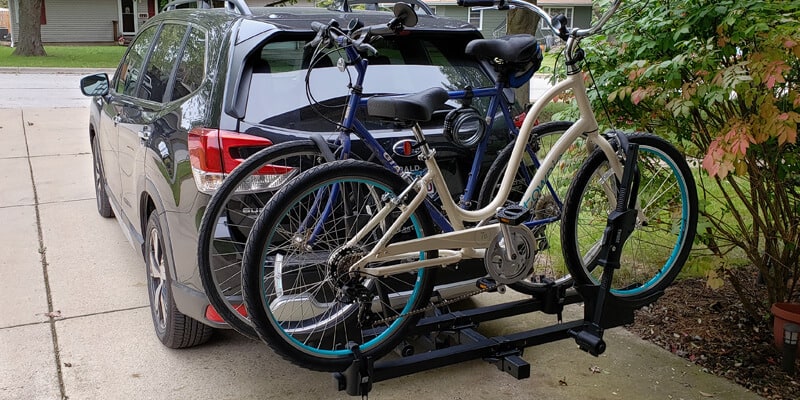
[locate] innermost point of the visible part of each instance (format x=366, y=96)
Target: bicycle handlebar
x=358, y=38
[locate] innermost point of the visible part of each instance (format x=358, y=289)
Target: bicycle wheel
x=301, y=298
x=549, y=266
x=658, y=247
x=229, y=216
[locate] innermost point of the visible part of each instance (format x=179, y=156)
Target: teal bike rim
x=364, y=347
x=681, y=236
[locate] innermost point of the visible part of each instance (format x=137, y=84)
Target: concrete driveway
x=75, y=322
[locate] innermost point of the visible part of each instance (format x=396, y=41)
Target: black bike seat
x=410, y=107
x=520, y=48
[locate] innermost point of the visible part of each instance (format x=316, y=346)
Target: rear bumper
x=193, y=303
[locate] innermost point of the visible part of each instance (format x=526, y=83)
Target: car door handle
x=144, y=133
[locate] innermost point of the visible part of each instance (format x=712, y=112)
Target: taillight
x=214, y=153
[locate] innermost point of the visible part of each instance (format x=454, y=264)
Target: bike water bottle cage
x=515, y=56
x=465, y=126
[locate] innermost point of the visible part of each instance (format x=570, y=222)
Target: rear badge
x=406, y=148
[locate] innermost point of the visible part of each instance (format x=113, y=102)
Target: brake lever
x=316, y=41
x=323, y=32
x=361, y=44
x=368, y=48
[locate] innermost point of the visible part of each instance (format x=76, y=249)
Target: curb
x=55, y=70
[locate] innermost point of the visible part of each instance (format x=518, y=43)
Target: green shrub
x=721, y=79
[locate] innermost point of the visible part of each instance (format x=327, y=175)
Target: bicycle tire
x=658, y=247
x=312, y=325
x=549, y=266
x=221, y=241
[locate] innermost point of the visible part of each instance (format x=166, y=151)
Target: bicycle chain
x=433, y=305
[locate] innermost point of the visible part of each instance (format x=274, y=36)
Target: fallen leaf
x=595, y=369
x=562, y=382
x=68, y=364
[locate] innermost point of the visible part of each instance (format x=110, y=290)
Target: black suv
x=200, y=90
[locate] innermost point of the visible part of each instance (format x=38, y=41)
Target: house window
x=476, y=17
x=553, y=11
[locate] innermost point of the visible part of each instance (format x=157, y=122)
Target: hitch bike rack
x=602, y=310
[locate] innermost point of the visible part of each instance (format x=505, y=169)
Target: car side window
x=130, y=70
x=161, y=63
x=192, y=65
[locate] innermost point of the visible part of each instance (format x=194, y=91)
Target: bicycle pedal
x=513, y=214
x=486, y=283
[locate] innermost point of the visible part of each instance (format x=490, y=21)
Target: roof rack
x=230, y=5
x=344, y=5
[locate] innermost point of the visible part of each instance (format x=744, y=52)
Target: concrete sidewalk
x=75, y=322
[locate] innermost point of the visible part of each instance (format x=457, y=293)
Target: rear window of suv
x=404, y=64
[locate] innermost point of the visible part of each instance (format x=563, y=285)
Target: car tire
x=174, y=329
x=103, y=205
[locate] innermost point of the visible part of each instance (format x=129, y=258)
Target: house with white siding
x=70, y=21
x=73, y=21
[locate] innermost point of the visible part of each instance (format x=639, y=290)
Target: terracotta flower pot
x=784, y=313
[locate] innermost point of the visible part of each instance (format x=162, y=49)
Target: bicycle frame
x=471, y=242
x=350, y=124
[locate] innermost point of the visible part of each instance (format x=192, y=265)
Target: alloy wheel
x=158, y=278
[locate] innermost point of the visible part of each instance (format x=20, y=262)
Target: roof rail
x=230, y=5
x=344, y=5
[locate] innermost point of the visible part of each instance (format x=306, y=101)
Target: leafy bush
x=721, y=79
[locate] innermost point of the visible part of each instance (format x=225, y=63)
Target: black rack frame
x=602, y=310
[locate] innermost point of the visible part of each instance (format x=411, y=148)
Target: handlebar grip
x=477, y=3
x=318, y=26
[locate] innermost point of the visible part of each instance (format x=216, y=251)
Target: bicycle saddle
x=519, y=49
x=410, y=107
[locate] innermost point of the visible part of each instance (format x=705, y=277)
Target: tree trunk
x=522, y=21
x=29, y=40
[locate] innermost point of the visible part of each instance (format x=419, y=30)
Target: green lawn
x=66, y=57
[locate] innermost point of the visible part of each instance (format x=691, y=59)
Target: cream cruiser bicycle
x=340, y=262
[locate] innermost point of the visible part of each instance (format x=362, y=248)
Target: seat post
x=426, y=152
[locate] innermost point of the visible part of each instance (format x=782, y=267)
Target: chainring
x=505, y=270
